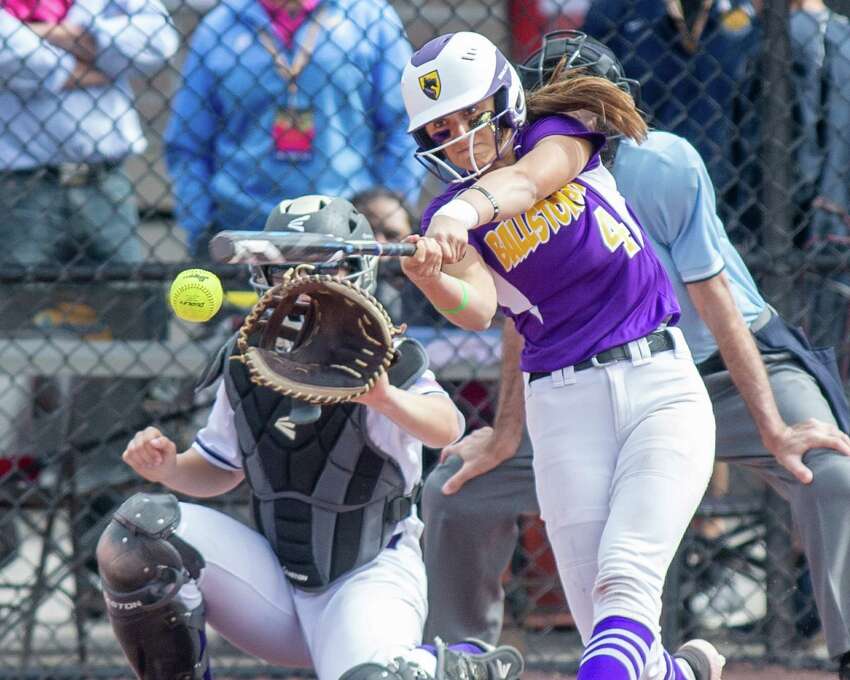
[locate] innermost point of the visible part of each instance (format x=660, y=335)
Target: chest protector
x=325, y=496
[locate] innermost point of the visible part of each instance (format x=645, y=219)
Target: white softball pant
x=622, y=457
x=374, y=614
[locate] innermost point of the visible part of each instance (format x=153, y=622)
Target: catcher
x=333, y=578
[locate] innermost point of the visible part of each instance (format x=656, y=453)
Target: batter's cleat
x=494, y=663
x=703, y=658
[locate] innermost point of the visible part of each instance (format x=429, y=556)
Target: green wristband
x=464, y=300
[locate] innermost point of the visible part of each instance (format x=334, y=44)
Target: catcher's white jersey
x=373, y=613
x=218, y=443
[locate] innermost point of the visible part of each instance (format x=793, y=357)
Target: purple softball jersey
x=574, y=271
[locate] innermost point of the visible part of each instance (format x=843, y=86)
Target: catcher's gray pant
x=470, y=536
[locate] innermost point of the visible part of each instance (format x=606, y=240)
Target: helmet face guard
x=433, y=157
x=455, y=72
x=576, y=50
x=363, y=274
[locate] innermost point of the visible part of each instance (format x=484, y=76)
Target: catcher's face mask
x=263, y=277
x=321, y=215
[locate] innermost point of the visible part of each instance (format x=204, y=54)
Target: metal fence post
x=778, y=244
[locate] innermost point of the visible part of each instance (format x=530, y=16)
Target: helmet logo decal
x=430, y=84
x=298, y=223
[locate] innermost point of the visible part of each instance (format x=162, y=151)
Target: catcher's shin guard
x=493, y=663
x=142, y=566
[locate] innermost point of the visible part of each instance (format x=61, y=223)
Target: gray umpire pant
x=471, y=535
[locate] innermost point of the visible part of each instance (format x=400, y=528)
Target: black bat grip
x=398, y=249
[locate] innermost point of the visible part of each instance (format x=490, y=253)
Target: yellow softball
x=196, y=295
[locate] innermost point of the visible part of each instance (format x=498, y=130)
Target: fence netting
x=131, y=132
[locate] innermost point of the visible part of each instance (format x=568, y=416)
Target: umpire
x=760, y=373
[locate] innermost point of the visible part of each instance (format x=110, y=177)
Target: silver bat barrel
x=258, y=247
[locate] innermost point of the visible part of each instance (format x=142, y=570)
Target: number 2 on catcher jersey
x=615, y=234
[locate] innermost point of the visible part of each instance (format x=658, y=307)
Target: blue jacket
x=225, y=166
x=820, y=44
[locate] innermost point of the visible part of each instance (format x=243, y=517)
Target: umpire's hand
x=795, y=441
x=480, y=452
x=152, y=455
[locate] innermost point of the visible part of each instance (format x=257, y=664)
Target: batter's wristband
x=489, y=197
x=460, y=210
x=464, y=300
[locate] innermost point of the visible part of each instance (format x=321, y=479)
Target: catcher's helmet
x=454, y=72
x=578, y=51
x=316, y=214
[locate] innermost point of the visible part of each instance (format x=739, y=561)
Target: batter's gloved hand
x=317, y=338
x=480, y=451
x=795, y=441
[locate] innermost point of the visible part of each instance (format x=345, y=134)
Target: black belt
x=714, y=364
x=659, y=341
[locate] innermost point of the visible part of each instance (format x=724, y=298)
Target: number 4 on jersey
x=614, y=233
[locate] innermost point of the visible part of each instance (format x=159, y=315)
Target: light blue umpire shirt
x=666, y=184
x=43, y=124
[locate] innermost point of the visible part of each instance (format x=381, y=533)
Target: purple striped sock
x=617, y=650
x=674, y=671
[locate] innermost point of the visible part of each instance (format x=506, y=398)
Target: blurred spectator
x=690, y=57
x=529, y=19
x=820, y=170
x=392, y=221
x=282, y=98
x=820, y=48
x=68, y=124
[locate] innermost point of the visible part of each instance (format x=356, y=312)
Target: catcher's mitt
x=340, y=345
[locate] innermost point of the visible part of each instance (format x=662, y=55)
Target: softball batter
x=621, y=424
x=334, y=578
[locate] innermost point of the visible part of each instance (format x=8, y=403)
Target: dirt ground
x=731, y=672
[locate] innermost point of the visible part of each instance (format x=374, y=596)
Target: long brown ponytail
x=574, y=91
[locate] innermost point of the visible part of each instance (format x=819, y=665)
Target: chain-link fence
x=132, y=132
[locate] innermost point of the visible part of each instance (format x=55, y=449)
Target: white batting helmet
x=454, y=72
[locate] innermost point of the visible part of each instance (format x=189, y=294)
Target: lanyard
x=290, y=70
